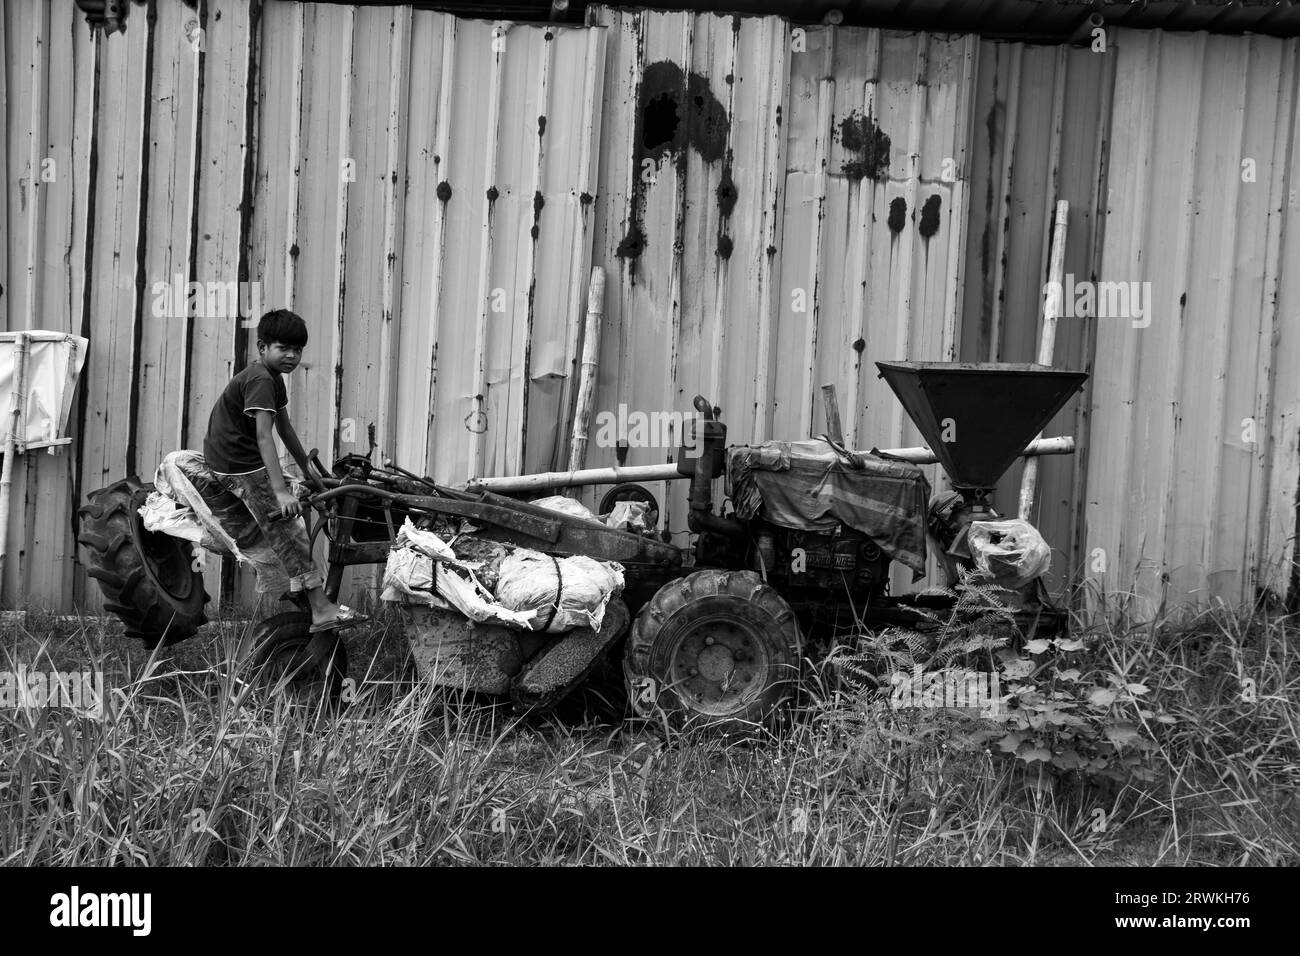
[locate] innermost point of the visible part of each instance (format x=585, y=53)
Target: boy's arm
x=290, y=438
x=289, y=506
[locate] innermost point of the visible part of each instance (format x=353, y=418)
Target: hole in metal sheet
x=661, y=122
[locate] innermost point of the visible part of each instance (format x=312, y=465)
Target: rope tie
x=559, y=588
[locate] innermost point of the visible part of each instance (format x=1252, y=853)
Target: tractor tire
x=715, y=648
x=306, y=667
x=148, y=579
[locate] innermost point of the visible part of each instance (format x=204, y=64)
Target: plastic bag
x=1012, y=552
x=408, y=577
x=566, y=506
x=631, y=516
x=172, y=480
x=577, y=587
x=426, y=542
x=164, y=516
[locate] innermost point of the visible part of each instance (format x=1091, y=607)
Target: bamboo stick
x=16, y=421
x=1047, y=345
x=1062, y=445
x=590, y=361
x=834, y=430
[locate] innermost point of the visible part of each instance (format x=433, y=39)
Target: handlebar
x=326, y=487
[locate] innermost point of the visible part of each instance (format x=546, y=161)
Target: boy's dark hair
x=283, y=326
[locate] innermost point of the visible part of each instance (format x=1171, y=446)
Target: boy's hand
x=290, y=507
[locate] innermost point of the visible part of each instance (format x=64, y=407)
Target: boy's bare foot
x=346, y=617
x=328, y=611
x=328, y=616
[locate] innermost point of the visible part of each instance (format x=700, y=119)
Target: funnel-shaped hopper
x=988, y=411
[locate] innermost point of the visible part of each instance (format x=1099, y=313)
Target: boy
x=240, y=451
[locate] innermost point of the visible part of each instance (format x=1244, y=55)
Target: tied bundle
x=565, y=592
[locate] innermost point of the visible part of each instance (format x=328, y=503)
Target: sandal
x=346, y=618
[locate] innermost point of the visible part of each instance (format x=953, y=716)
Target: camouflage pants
x=278, y=550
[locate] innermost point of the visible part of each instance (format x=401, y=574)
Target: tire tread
x=112, y=559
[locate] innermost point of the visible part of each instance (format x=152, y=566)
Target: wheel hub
x=718, y=660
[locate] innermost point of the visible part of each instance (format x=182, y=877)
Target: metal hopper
x=989, y=411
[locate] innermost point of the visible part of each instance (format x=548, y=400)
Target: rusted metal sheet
x=114, y=300
x=19, y=215
x=563, y=265
x=1038, y=134
x=388, y=163
x=40, y=492
x=423, y=263
x=168, y=214
x=1274, y=490
x=503, y=219
x=1040, y=21
x=1192, y=467
x=781, y=216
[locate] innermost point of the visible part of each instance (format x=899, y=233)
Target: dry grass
x=193, y=764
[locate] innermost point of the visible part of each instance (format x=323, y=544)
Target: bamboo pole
x=590, y=361
x=1047, y=345
x=16, y=419
x=1063, y=445
x=834, y=430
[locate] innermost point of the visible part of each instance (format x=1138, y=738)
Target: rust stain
x=538, y=202
x=631, y=245
x=726, y=191
x=897, y=215
x=859, y=134
x=676, y=111
x=929, y=224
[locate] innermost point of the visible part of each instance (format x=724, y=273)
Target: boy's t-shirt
x=230, y=446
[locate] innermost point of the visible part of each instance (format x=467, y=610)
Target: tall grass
x=195, y=764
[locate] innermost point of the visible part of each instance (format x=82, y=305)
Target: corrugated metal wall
x=775, y=211
x=1040, y=131
x=48, y=90
x=804, y=218
x=1192, y=467
x=341, y=158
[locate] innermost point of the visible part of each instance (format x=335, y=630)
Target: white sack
x=54, y=361
x=413, y=577
x=529, y=582
x=475, y=601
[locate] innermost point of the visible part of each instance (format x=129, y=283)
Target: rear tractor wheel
x=148, y=579
x=715, y=648
x=289, y=659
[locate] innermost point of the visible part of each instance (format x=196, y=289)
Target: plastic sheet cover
x=809, y=486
